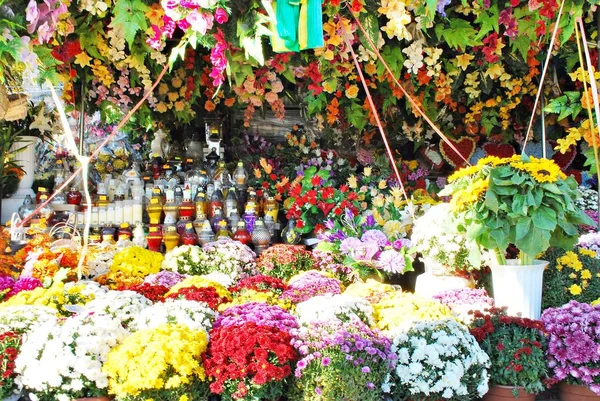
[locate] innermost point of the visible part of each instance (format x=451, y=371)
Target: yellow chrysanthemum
x=587, y=252
x=200, y=282
x=571, y=260
x=586, y=274
x=575, y=289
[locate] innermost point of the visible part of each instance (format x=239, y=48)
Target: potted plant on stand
x=516, y=347
x=523, y=201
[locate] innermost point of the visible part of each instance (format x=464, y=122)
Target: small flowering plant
x=464, y=301
x=444, y=250
x=155, y=293
x=591, y=242
x=130, y=266
x=208, y=295
x=170, y=355
x=230, y=257
x=340, y=360
x=260, y=313
x=339, y=306
x=165, y=278
x=371, y=290
x=574, y=334
x=366, y=248
x=400, y=310
x=516, y=349
x=121, y=305
x=310, y=284
x=260, y=283
x=249, y=362
x=438, y=360
x=184, y=260
x=194, y=315
x=542, y=213
x=283, y=261
x=571, y=275
x=10, y=345
x=81, y=344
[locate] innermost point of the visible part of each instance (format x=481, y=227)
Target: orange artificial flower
x=209, y=106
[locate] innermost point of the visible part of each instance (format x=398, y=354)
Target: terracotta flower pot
x=504, y=393
x=575, y=392
x=92, y=399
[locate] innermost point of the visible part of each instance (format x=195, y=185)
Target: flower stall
x=327, y=200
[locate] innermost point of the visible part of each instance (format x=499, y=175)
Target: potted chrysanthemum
x=523, y=201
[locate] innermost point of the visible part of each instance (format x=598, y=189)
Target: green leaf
x=130, y=15
x=491, y=201
x=537, y=241
x=544, y=218
x=522, y=228
x=371, y=25
x=459, y=35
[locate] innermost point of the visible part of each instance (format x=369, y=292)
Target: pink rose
x=221, y=16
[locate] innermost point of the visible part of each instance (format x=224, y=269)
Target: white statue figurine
x=157, y=146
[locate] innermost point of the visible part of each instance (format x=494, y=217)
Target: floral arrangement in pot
x=516, y=347
x=339, y=306
x=366, y=247
x=340, y=361
x=194, y=315
x=464, y=302
x=520, y=200
x=309, y=284
x=444, y=250
x=249, y=361
x=81, y=344
x=10, y=345
x=171, y=357
x=121, y=305
x=574, y=336
x=437, y=360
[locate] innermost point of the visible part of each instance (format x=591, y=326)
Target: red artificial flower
x=316, y=181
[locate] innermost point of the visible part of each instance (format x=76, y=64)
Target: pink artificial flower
x=221, y=16
x=32, y=14
x=171, y=8
x=45, y=32
x=200, y=22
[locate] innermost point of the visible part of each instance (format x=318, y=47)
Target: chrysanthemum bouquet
x=260, y=313
x=521, y=200
x=438, y=360
x=463, y=302
x=260, y=283
x=155, y=293
x=444, y=250
x=165, y=277
x=371, y=290
x=339, y=306
x=64, y=361
x=185, y=259
x=400, y=311
x=340, y=361
x=194, y=315
x=130, y=266
x=283, y=261
x=574, y=331
x=121, y=305
x=160, y=363
x=516, y=348
x=230, y=257
x=10, y=345
x=306, y=285
x=366, y=248
x=249, y=362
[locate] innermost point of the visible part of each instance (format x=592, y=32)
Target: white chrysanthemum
x=339, y=306
x=195, y=315
x=81, y=344
x=122, y=305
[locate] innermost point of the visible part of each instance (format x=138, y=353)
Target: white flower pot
x=26, y=159
x=13, y=397
x=519, y=287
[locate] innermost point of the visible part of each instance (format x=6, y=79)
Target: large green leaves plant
x=524, y=201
